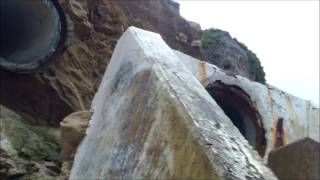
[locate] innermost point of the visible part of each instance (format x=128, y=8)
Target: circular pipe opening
x=238, y=106
x=31, y=32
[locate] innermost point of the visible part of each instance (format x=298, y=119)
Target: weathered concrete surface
x=300, y=118
x=154, y=120
x=297, y=160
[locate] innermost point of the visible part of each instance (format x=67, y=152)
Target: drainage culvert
x=238, y=106
x=31, y=32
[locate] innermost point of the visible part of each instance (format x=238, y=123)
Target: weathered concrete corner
x=153, y=119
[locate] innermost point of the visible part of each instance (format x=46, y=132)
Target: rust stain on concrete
x=279, y=136
x=202, y=71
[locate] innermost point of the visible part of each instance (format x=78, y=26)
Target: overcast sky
x=283, y=34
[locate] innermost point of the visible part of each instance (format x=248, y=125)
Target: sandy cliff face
x=94, y=26
x=69, y=83
x=162, y=16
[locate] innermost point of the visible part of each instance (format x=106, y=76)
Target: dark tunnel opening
x=31, y=32
x=237, y=105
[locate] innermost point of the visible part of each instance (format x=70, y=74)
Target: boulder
x=196, y=43
x=297, y=160
x=73, y=128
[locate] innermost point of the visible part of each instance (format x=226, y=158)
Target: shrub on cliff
x=208, y=37
x=224, y=51
x=254, y=64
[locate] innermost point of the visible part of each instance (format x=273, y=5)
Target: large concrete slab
x=153, y=119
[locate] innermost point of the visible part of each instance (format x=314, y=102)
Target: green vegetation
x=255, y=67
x=208, y=37
x=211, y=36
x=25, y=142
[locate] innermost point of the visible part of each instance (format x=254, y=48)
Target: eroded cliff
x=69, y=82
x=230, y=55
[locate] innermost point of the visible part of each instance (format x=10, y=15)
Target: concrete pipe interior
x=237, y=105
x=31, y=32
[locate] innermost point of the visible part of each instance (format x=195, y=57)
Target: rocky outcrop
x=162, y=16
x=154, y=120
x=230, y=55
x=26, y=151
x=73, y=128
x=69, y=83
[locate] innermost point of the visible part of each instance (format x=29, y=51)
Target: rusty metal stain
x=279, y=135
x=284, y=137
x=274, y=136
x=275, y=123
x=202, y=71
x=271, y=108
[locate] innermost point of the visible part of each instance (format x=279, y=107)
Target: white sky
x=283, y=34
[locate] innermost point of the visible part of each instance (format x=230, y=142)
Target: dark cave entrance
x=238, y=106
